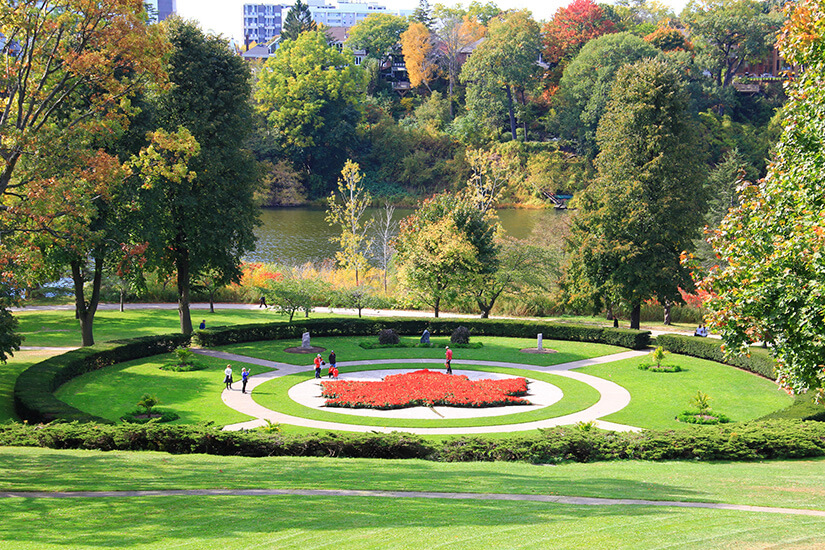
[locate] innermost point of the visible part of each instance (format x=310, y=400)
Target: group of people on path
x=332, y=372
x=227, y=379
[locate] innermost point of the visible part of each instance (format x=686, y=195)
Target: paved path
x=613, y=397
x=554, y=499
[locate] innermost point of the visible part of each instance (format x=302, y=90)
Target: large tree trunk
x=85, y=312
x=436, y=306
x=510, y=109
x=636, y=315
x=182, y=265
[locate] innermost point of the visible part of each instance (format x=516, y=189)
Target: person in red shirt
x=318, y=362
x=449, y=355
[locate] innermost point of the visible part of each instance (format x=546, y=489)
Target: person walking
x=227, y=379
x=449, y=356
x=332, y=366
x=318, y=362
x=244, y=379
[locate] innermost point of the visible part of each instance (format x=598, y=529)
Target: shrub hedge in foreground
x=749, y=441
x=222, y=336
x=34, y=389
x=759, y=361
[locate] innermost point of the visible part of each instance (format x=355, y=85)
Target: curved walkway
x=555, y=499
x=613, y=397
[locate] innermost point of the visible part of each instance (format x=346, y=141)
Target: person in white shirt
x=228, y=378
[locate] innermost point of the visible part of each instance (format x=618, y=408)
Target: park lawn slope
x=656, y=398
x=9, y=373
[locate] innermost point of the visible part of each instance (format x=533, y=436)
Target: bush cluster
x=388, y=336
x=461, y=335
x=759, y=361
x=222, y=336
x=747, y=441
x=34, y=390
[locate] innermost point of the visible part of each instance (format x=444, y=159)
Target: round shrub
x=461, y=335
x=388, y=336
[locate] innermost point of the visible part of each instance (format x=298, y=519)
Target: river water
x=295, y=236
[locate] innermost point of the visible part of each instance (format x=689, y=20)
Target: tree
x=731, y=33
x=311, y=95
x=201, y=201
x=378, y=35
x=418, y=49
x=346, y=210
x=423, y=14
x=507, y=58
x=587, y=82
x=489, y=174
x=442, y=247
x=298, y=20
x=571, y=28
x=646, y=206
x=385, y=231
x=56, y=51
x=455, y=33
x=770, y=287
x=294, y=293
x=667, y=38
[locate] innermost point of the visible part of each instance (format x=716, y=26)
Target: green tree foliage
x=347, y=211
x=505, y=60
x=646, y=206
x=202, y=209
x=298, y=20
x=442, y=247
x=455, y=31
x=294, y=293
x=587, y=82
x=731, y=33
x=771, y=286
x=378, y=35
x=423, y=14
x=311, y=95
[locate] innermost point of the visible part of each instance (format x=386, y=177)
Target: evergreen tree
x=297, y=20
x=423, y=14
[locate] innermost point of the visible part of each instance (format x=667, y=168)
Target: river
x=295, y=236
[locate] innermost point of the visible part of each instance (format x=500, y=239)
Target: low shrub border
x=223, y=336
x=747, y=441
x=759, y=362
x=34, y=389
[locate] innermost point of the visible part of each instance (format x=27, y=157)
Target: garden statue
x=425, y=337
x=305, y=340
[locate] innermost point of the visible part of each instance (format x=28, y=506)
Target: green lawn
x=658, y=397
x=8, y=376
x=61, y=329
x=577, y=396
x=115, y=390
x=370, y=522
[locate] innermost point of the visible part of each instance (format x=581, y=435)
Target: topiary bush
x=461, y=335
x=388, y=336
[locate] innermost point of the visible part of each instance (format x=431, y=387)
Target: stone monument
x=425, y=337
x=305, y=340
x=539, y=343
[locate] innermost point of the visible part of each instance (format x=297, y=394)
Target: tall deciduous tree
x=646, y=206
x=347, y=211
x=378, y=34
x=455, y=32
x=204, y=222
x=772, y=286
x=442, y=247
x=507, y=59
x=418, y=49
x=731, y=33
x=311, y=95
x=587, y=82
x=298, y=20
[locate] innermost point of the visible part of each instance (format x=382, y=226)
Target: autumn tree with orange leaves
x=418, y=48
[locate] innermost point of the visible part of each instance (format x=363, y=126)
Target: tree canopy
x=646, y=206
x=298, y=20
x=378, y=34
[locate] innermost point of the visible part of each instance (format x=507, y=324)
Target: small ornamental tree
x=346, y=209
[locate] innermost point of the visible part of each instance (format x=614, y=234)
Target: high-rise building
x=262, y=22
x=163, y=8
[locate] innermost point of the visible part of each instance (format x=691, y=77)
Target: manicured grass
x=8, y=375
x=658, y=397
x=577, y=396
x=114, y=391
x=371, y=522
x=494, y=349
x=60, y=328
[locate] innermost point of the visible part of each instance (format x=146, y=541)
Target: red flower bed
x=424, y=388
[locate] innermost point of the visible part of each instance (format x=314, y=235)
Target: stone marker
x=305, y=340
x=425, y=337
x=540, y=338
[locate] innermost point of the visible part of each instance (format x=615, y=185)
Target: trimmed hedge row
x=222, y=336
x=759, y=362
x=749, y=441
x=34, y=390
